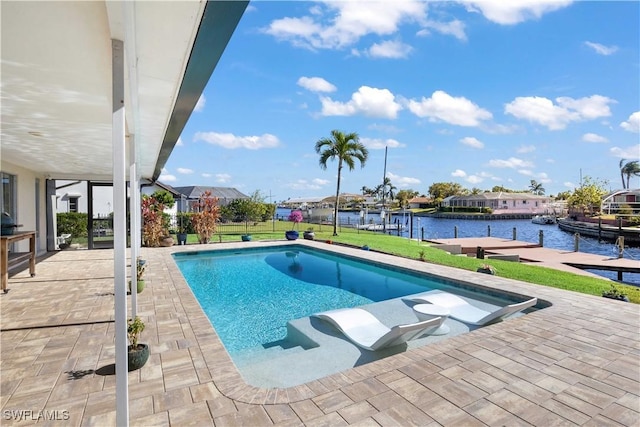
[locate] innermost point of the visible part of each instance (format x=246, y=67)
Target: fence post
x=421, y=233
x=541, y=238
x=576, y=243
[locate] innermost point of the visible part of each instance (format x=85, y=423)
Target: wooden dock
x=570, y=261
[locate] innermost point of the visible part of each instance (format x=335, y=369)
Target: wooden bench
x=12, y=259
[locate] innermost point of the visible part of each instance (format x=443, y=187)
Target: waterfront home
x=502, y=203
x=420, y=202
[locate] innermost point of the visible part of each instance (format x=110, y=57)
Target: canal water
x=525, y=230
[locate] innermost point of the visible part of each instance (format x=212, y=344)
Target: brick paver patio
x=574, y=363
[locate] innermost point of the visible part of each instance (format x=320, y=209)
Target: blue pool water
x=250, y=295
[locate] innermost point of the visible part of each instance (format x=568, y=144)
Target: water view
x=554, y=238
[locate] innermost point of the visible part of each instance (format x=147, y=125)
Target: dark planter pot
x=309, y=235
x=137, y=357
x=618, y=297
x=182, y=238
x=291, y=234
x=486, y=271
x=246, y=237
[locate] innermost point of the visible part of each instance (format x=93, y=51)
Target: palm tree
x=621, y=166
x=631, y=168
x=536, y=188
x=345, y=148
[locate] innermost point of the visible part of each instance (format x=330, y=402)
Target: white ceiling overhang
x=56, y=79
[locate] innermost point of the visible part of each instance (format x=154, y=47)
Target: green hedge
x=74, y=223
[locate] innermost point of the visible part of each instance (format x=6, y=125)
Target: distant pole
x=540, y=238
x=455, y=232
x=488, y=231
x=384, y=187
x=576, y=243
x=515, y=233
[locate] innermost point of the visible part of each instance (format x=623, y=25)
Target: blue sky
x=480, y=93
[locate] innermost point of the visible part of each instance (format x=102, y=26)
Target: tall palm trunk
x=335, y=209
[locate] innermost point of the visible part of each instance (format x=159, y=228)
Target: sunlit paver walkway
x=575, y=363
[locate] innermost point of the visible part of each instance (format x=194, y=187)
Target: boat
x=544, y=219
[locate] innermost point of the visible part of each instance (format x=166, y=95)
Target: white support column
x=134, y=213
x=120, y=232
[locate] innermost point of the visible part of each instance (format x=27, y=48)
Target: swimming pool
x=250, y=295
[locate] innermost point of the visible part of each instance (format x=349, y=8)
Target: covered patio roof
x=56, y=79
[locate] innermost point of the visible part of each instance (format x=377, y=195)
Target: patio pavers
x=576, y=362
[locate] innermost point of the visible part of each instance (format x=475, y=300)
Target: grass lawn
x=413, y=249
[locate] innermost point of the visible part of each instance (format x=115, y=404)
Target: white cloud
x=523, y=149
x=472, y=142
x=602, y=49
x=443, y=107
x=318, y=181
x=179, y=142
x=454, y=28
x=316, y=84
x=184, y=171
x=206, y=175
x=200, y=104
x=557, y=116
x=633, y=123
x=632, y=152
x=223, y=177
x=369, y=101
x=511, y=162
x=166, y=177
x=378, y=144
x=303, y=184
x=592, y=137
x=459, y=173
x=389, y=49
x=513, y=12
x=569, y=184
x=338, y=25
x=230, y=141
x=474, y=179
x=402, y=181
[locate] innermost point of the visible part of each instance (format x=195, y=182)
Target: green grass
x=412, y=249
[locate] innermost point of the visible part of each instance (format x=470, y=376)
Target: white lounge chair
x=366, y=331
x=463, y=311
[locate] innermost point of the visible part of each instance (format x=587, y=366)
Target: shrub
x=74, y=223
x=205, y=219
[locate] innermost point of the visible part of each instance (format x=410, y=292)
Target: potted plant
x=138, y=353
x=182, y=231
x=206, y=217
x=615, y=293
x=155, y=222
x=295, y=217
x=487, y=269
x=309, y=234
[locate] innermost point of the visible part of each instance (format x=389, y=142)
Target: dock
x=533, y=253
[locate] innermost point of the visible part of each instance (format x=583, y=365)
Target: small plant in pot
x=309, y=234
x=295, y=217
x=615, y=293
x=487, y=269
x=138, y=353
